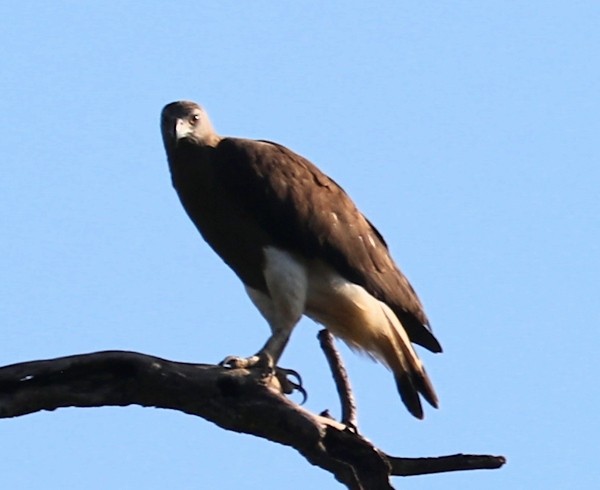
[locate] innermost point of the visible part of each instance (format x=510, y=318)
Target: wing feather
x=304, y=210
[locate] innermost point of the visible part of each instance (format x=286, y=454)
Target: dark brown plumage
x=283, y=225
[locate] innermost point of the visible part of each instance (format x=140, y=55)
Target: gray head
x=185, y=119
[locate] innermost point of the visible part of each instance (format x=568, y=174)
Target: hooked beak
x=182, y=129
x=174, y=129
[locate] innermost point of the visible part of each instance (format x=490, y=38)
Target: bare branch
x=340, y=377
x=444, y=464
x=240, y=400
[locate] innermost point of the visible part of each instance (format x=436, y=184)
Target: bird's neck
x=211, y=141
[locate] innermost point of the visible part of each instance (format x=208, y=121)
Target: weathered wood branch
x=236, y=399
x=340, y=378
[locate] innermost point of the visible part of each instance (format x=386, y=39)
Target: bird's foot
x=265, y=362
x=236, y=362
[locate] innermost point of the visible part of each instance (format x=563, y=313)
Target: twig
x=443, y=464
x=340, y=377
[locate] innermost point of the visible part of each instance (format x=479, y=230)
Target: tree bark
x=248, y=401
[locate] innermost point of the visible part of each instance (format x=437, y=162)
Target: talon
x=265, y=362
x=293, y=373
x=288, y=386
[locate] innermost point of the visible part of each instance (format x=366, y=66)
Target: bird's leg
x=271, y=352
x=282, y=305
x=267, y=358
x=274, y=346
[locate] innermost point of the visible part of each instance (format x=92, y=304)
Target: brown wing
x=304, y=210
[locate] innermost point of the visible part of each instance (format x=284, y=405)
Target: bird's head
x=186, y=120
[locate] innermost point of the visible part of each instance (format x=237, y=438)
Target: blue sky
x=466, y=131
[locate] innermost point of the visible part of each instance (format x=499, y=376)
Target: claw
x=287, y=385
x=293, y=373
x=265, y=362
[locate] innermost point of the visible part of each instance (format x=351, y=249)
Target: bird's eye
x=195, y=118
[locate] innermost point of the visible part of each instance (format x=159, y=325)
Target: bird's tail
x=410, y=375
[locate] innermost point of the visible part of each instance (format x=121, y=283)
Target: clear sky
x=466, y=131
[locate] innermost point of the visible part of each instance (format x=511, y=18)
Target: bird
x=300, y=246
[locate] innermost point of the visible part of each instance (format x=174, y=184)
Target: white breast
x=298, y=286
